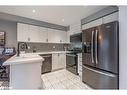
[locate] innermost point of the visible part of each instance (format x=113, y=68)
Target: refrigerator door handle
x=92, y=47
x=106, y=74
x=96, y=46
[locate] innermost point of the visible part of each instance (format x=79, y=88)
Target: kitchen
x=83, y=54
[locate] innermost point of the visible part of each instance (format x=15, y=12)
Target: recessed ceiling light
x=63, y=20
x=33, y=11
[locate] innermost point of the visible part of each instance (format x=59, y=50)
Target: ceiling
x=62, y=15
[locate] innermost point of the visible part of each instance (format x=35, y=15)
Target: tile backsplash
x=41, y=47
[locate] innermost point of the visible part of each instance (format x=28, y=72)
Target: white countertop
x=23, y=59
x=29, y=57
x=49, y=52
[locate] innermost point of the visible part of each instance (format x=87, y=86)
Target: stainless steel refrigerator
x=101, y=56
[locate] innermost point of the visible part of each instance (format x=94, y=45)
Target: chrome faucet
x=24, y=46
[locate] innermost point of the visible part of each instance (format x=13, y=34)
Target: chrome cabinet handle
x=106, y=74
x=92, y=47
x=96, y=46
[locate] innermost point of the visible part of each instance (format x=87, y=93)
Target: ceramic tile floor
x=62, y=79
x=4, y=85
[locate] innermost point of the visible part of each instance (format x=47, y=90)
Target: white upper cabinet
x=27, y=33
x=31, y=33
x=57, y=36
x=92, y=24
x=62, y=36
x=52, y=36
x=111, y=18
x=43, y=34
x=68, y=37
x=22, y=32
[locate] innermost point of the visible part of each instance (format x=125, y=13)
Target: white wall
x=123, y=46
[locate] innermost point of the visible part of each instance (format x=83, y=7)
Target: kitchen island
x=25, y=72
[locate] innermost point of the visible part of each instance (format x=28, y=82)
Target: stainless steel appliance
x=100, y=56
x=72, y=57
x=76, y=38
x=47, y=63
x=72, y=63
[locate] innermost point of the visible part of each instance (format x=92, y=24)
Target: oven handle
x=106, y=74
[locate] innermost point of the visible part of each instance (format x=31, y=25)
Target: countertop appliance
x=47, y=63
x=100, y=56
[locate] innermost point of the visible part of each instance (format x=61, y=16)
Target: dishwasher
x=47, y=63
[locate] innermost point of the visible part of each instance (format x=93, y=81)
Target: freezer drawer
x=99, y=79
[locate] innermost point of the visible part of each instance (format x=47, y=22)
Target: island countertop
x=29, y=57
x=23, y=59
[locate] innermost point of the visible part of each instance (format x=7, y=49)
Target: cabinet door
x=53, y=36
x=62, y=36
x=22, y=32
x=111, y=18
x=92, y=24
x=55, y=64
x=62, y=60
x=43, y=34
x=33, y=33
x=68, y=37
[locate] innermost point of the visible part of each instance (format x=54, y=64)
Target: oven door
x=71, y=63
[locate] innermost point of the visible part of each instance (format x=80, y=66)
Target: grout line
x=69, y=77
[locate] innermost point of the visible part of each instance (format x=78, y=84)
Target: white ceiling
x=53, y=14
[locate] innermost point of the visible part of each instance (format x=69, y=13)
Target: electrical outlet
x=54, y=47
x=28, y=47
